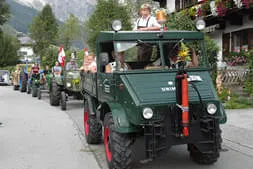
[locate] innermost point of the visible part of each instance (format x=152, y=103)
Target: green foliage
x=211, y=51
x=8, y=50
x=249, y=82
x=44, y=29
x=180, y=21
x=70, y=31
x=237, y=102
x=106, y=11
x=50, y=56
x=4, y=13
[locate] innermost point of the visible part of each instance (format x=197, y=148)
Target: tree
x=106, y=11
x=8, y=50
x=44, y=29
x=70, y=31
x=4, y=13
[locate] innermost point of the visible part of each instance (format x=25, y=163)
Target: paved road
x=38, y=136
x=237, y=136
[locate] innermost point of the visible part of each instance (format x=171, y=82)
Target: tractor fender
x=122, y=125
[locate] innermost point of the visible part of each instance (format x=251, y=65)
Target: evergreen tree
x=70, y=31
x=8, y=50
x=106, y=11
x=4, y=13
x=44, y=29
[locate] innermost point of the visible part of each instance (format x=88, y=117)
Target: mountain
x=62, y=8
x=21, y=16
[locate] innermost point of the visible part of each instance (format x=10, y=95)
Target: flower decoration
x=184, y=52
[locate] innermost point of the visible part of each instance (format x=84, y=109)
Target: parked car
x=5, y=78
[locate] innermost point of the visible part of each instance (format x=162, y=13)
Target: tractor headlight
x=200, y=24
x=147, y=113
x=211, y=108
x=116, y=25
x=68, y=84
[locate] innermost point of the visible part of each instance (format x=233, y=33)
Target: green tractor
x=34, y=84
x=151, y=99
x=44, y=84
x=65, y=86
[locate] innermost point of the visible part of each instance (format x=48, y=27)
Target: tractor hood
x=160, y=88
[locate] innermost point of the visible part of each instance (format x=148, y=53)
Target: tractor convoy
x=139, y=91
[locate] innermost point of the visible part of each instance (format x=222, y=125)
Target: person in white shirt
x=90, y=64
x=146, y=22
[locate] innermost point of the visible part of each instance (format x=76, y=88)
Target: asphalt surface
x=36, y=135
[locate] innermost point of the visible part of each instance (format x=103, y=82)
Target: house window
x=240, y=40
x=182, y=4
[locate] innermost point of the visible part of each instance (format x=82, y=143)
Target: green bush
x=249, y=82
x=237, y=102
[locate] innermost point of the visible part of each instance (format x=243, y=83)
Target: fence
x=233, y=76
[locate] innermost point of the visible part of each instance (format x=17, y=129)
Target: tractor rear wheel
x=118, y=146
x=92, y=128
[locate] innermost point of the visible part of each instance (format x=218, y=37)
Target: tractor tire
x=203, y=158
x=39, y=94
x=118, y=146
x=63, y=101
x=28, y=90
x=54, y=94
x=24, y=83
x=92, y=128
x=210, y=155
x=34, y=91
x=15, y=87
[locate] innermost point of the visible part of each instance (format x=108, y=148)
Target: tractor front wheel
x=118, y=146
x=54, y=94
x=63, y=101
x=34, y=91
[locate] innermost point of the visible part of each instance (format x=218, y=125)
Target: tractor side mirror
x=104, y=58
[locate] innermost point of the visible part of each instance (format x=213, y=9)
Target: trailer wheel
x=92, y=128
x=118, y=147
x=63, y=101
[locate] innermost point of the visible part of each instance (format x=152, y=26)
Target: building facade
x=229, y=22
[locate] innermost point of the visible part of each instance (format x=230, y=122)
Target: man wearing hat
x=72, y=65
x=146, y=22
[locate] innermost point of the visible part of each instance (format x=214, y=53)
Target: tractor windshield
x=150, y=55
